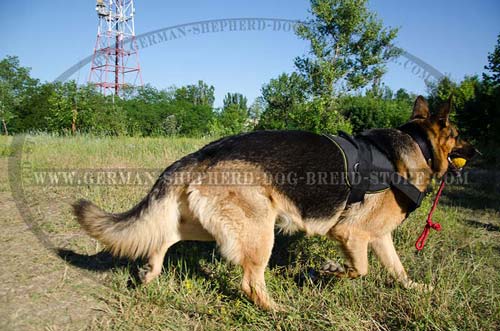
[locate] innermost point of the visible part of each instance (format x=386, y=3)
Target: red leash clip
x=419, y=245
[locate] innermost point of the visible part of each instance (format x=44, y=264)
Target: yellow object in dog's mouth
x=459, y=162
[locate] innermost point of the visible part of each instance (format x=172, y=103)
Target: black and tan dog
x=238, y=189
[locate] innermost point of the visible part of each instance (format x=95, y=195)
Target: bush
x=366, y=112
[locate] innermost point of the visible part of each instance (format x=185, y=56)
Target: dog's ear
x=443, y=114
x=420, y=109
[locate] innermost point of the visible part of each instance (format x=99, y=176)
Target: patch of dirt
x=39, y=290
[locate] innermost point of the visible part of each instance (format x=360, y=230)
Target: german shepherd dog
x=242, y=218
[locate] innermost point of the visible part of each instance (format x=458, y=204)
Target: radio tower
x=115, y=64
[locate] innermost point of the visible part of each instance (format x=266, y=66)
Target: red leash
x=419, y=245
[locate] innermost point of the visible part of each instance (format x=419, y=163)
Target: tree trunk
x=73, y=122
x=5, y=127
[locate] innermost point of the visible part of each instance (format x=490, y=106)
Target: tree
x=370, y=111
x=479, y=118
x=15, y=81
x=234, y=115
x=403, y=95
x=235, y=99
x=461, y=93
x=256, y=109
x=32, y=112
x=7, y=102
x=151, y=95
x=194, y=120
x=493, y=66
x=284, y=96
x=199, y=95
x=440, y=91
x=320, y=115
x=63, y=113
x=289, y=106
x=232, y=119
x=477, y=105
x=349, y=46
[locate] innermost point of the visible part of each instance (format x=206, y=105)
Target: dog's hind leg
x=242, y=223
x=254, y=240
x=256, y=251
x=155, y=262
x=168, y=220
x=186, y=229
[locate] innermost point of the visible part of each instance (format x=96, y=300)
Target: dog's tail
x=135, y=233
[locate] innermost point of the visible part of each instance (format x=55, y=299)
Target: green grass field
x=199, y=290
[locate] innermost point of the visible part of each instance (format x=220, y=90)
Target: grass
x=199, y=290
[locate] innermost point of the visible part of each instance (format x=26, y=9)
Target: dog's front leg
x=386, y=253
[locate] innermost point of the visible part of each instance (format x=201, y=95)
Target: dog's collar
x=422, y=140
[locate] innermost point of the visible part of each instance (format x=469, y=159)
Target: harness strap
x=414, y=195
x=362, y=173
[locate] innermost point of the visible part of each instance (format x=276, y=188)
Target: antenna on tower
x=115, y=63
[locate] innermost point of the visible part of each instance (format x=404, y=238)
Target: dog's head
x=442, y=135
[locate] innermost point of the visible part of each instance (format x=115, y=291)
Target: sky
x=50, y=36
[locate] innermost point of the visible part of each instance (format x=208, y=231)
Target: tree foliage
x=236, y=99
x=492, y=76
x=284, y=97
x=477, y=105
x=371, y=111
x=349, y=46
x=67, y=107
x=233, y=118
x=15, y=82
x=289, y=106
x=199, y=95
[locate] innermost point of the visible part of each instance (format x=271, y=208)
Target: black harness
x=369, y=170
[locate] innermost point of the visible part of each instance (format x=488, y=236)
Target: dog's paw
x=423, y=288
x=145, y=274
x=278, y=308
x=333, y=268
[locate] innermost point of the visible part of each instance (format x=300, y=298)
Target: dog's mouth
x=464, y=153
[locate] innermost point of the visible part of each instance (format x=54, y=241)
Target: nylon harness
x=368, y=170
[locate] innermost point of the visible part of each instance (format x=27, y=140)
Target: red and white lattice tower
x=115, y=64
